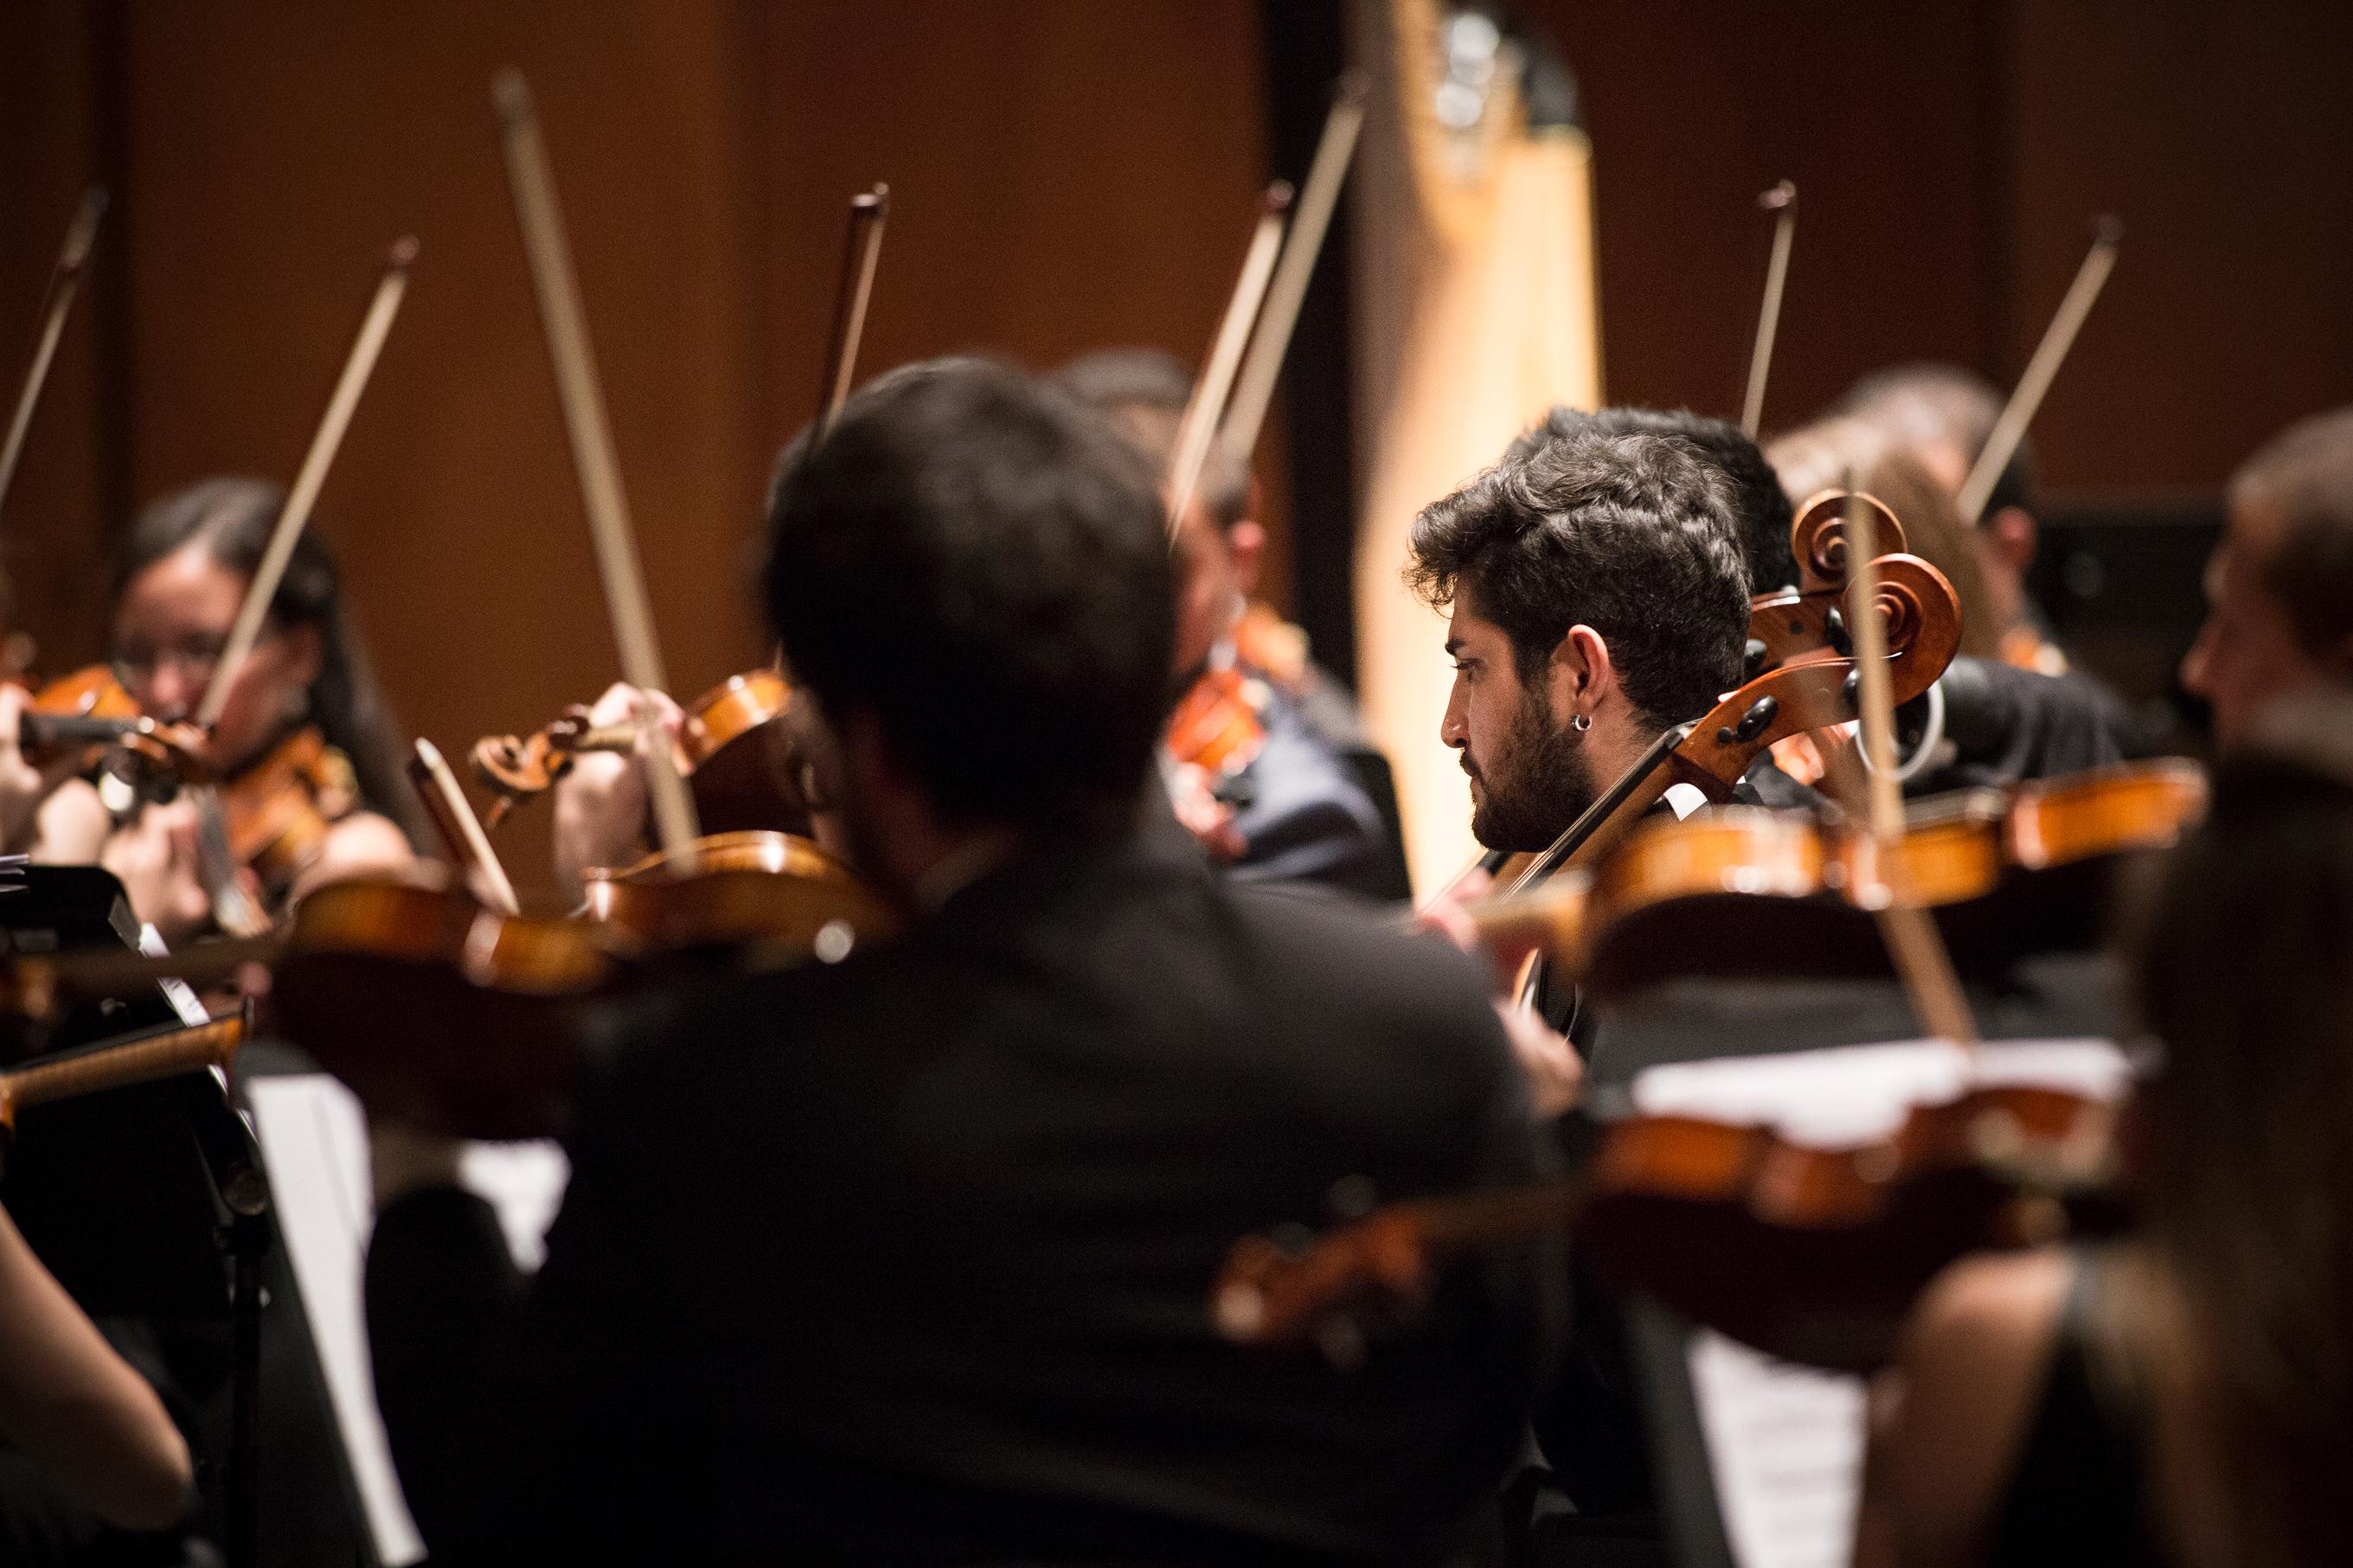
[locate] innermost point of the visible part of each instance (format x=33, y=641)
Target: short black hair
x=1759, y=503
x=979, y=564
x=1930, y=401
x=1632, y=536
x=1144, y=392
x=2306, y=475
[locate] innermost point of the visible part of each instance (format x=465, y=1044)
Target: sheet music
x=313, y=1138
x=1785, y=1448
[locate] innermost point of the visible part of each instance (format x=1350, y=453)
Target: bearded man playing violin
x=1597, y=595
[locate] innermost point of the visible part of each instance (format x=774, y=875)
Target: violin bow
x=861, y=248
x=1287, y=290
x=1781, y=201
x=1199, y=425
x=271, y=570
x=100, y=1067
x=65, y=283
x=2048, y=356
x=600, y=471
x=453, y=817
x=1917, y=948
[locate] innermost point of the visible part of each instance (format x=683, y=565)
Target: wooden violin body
x=88, y=712
x=1810, y=1254
x=762, y=890
x=729, y=751
x=276, y=812
x=1748, y=891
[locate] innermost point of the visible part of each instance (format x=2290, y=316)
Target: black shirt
x=906, y=1259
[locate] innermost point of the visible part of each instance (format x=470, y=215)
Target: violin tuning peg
x=1851, y=691
x=1752, y=658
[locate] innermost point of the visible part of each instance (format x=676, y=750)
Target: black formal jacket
x=907, y=1260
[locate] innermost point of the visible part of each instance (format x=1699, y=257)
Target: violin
x=1703, y=879
x=1810, y=1253
x=88, y=712
x=727, y=751
x=762, y=891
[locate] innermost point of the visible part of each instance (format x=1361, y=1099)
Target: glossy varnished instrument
x=726, y=750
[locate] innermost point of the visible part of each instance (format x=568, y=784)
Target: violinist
x=899, y=1259
x=1596, y=595
x=1308, y=798
x=2279, y=587
x=304, y=737
x=1943, y=415
x=1996, y=723
x=2182, y=1395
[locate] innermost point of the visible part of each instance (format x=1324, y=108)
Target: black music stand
x=146, y=1201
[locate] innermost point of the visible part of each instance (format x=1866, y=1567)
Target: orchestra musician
x=2001, y=724
x=900, y=1258
x=2279, y=586
x=1943, y=415
x=1597, y=593
x=182, y=576
x=2180, y=1397
x=1315, y=803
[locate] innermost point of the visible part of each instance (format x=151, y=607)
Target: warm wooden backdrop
x=1068, y=173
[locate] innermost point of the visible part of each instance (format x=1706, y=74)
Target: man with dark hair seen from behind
x=2279, y=587
x=1316, y=802
x=906, y=1259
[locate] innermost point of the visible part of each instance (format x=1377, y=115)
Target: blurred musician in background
x=1314, y=802
x=902, y=1258
x=2185, y=1396
x=182, y=576
x=1943, y=415
x=1998, y=723
x=2279, y=588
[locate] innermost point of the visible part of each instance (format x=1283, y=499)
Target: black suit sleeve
x=504, y=1393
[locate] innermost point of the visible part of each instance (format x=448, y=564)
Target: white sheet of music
x=314, y=1139
x=1785, y=1443
x=1785, y=1448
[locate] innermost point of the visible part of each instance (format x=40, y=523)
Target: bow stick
x=592, y=446
x=271, y=570
x=1254, y=389
x=861, y=250
x=1781, y=201
x=1199, y=425
x=1921, y=963
x=2048, y=356
x=65, y=282
x=453, y=817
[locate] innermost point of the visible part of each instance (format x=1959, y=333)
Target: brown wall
x=1950, y=154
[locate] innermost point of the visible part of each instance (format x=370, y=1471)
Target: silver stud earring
x=1580, y=722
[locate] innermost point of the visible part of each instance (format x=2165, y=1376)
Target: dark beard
x=1540, y=784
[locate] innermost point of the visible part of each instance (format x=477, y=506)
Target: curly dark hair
x=980, y=563
x=1632, y=536
x=1760, y=504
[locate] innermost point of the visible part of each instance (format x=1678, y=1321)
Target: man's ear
x=2011, y=535
x=1579, y=676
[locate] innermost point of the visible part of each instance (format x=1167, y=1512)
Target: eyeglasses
x=196, y=660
